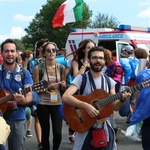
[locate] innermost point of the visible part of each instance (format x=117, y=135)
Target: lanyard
x=48, y=75
x=11, y=78
x=92, y=83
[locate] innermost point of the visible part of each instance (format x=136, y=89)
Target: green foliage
x=20, y=45
x=104, y=21
x=41, y=25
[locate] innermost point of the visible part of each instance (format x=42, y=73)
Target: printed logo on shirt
x=18, y=77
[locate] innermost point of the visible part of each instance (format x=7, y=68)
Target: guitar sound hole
x=95, y=105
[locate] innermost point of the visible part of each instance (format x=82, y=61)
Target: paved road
x=124, y=143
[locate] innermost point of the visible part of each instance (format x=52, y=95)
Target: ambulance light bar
x=92, y=30
x=135, y=28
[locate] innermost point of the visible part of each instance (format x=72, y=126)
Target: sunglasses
x=51, y=50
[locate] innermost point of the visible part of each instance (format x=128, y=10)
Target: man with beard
x=95, y=80
x=10, y=80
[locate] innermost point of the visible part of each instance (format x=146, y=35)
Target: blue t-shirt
x=142, y=110
x=11, y=81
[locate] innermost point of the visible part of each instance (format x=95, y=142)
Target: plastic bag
x=134, y=130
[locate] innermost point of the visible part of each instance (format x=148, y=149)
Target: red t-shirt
x=1, y=59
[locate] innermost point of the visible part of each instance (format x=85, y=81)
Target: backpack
x=35, y=97
x=41, y=70
x=113, y=69
x=134, y=64
x=34, y=62
x=62, y=60
x=69, y=79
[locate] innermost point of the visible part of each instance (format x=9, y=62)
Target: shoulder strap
x=41, y=71
x=84, y=79
x=108, y=82
x=60, y=68
x=22, y=73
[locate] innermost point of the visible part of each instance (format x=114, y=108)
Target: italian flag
x=69, y=11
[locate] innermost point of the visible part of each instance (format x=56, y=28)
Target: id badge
x=54, y=97
x=8, y=76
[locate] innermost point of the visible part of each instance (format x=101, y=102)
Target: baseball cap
x=128, y=48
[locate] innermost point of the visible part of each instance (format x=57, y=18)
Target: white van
x=112, y=39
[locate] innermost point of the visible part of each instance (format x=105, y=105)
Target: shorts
x=34, y=112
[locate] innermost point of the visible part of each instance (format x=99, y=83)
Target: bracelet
x=83, y=67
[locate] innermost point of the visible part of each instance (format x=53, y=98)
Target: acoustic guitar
x=7, y=104
x=79, y=120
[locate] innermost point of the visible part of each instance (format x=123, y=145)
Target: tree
x=20, y=45
x=41, y=25
x=104, y=21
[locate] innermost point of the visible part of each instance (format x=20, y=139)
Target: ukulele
x=7, y=104
x=80, y=121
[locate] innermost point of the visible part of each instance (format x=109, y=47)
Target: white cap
x=128, y=48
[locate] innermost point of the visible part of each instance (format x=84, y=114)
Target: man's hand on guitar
x=92, y=111
x=125, y=95
x=20, y=99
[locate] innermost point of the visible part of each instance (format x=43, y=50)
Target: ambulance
x=112, y=39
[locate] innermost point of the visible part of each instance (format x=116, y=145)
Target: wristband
x=83, y=67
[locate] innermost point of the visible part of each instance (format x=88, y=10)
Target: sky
x=16, y=15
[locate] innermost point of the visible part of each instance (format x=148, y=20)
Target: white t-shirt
x=80, y=137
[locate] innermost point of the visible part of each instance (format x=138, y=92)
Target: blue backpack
x=34, y=62
x=35, y=97
x=62, y=60
x=133, y=63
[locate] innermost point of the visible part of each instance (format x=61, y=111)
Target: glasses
x=97, y=57
x=51, y=50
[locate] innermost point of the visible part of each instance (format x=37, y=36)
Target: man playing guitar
x=10, y=80
x=95, y=80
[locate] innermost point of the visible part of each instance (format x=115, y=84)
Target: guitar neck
x=38, y=87
x=101, y=103
x=10, y=97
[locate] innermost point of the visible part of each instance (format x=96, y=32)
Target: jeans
x=16, y=138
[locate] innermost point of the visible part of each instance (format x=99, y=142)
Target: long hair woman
x=80, y=61
x=50, y=101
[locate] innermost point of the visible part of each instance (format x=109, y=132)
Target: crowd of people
x=100, y=70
